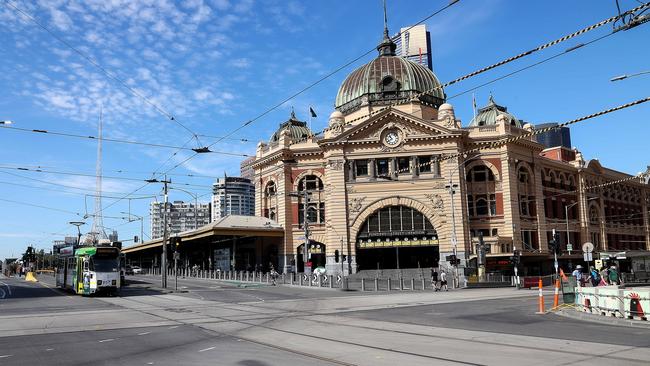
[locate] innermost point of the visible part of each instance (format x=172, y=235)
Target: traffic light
x=176, y=242
x=516, y=258
x=554, y=244
x=336, y=256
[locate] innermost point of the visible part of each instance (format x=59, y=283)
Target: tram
x=89, y=270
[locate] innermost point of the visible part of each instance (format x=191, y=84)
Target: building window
x=482, y=205
x=383, y=167
x=424, y=164
x=361, y=168
x=270, y=201
x=480, y=173
x=404, y=165
x=315, y=205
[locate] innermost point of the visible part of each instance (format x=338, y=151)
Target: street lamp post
x=452, y=190
x=566, y=217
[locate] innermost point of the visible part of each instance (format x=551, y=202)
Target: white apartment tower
x=233, y=196
x=181, y=216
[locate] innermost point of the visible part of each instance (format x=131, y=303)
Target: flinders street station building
x=376, y=190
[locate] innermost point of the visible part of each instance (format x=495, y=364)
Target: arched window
x=480, y=173
x=315, y=205
x=526, y=192
x=270, y=201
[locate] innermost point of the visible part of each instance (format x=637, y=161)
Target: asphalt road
x=214, y=322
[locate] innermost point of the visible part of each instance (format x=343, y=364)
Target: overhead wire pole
x=163, y=264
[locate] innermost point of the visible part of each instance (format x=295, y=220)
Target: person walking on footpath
x=613, y=276
x=594, y=276
x=604, y=276
x=443, y=281
x=434, y=280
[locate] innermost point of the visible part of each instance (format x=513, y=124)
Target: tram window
x=85, y=265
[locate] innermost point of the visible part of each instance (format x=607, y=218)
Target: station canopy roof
x=233, y=225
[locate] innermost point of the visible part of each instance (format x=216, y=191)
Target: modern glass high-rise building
x=233, y=196
x=414, y=44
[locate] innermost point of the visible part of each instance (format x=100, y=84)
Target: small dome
x=445, y=106
x=491, y=113
x=336, y=118
x=296, y=129
x=336, y=114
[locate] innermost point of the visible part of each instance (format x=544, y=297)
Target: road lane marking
x=49, y=349
x=144, y=333
x=207, y=349
x=174, y=327
x=106, y=340
x=5, y=356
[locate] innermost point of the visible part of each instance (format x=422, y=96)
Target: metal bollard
x=376, y=284
x=363, y=284
x=401, y=283
x=331, y=280
x=423, y=284
x=309, y=280
x=320, y=281
x=389, y=283
x=412, y=284
x=300, y=280
x=291, y=279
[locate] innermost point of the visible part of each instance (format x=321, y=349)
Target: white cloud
x=60, y=19
x=241, y=63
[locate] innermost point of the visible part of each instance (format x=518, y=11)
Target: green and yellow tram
x=89, y=270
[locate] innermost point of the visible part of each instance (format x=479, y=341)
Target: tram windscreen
x=104, y=264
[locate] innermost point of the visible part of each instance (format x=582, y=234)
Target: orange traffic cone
x=541, y=299
x=556, y=296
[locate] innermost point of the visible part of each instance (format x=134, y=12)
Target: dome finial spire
x=293, y=113
x=387, y=46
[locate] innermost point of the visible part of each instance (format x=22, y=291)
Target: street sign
x=587, y=247
x=177, y=255
x=588, y=256
x=339, y=279
x=569, y=247
x=305, y=277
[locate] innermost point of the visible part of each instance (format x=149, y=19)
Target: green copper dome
x=297, y=129
x=388, y=79
x=488, y=115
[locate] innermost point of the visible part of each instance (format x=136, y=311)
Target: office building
x=232, y=196
x=181, y=216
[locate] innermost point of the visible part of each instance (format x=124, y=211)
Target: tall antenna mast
x=97, y=230
x=385, y=21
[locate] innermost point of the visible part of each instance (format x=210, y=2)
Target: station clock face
x=391, y=138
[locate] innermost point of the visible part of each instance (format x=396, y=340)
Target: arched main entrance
x=397, y=237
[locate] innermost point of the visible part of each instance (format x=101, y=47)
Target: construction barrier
x=30, y=277
x=541, y=298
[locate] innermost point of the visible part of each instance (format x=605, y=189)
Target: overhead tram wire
x=90, y=137
x=493, y=66
x=105, y=71
x=502, y=142
x=328, y=75
x=540, y=62
x=55, y=209
x=451, y=3
x=92, y=175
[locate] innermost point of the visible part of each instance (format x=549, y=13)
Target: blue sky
x=215, y=64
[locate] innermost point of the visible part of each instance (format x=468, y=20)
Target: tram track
x=308, y=316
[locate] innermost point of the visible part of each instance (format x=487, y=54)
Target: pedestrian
x=443, y=281
x=434, y=279
x=604, y=276
x=613, y=276
x=594, y=276
x=577, y=273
